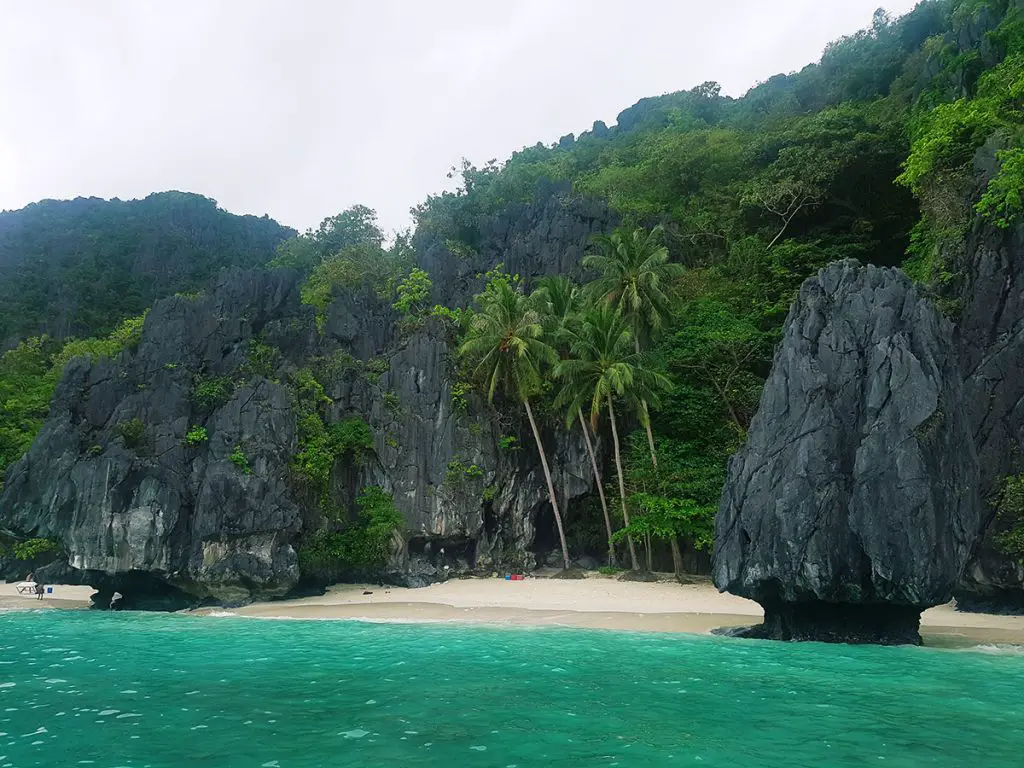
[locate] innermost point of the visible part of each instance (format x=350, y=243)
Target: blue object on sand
x=49, y=590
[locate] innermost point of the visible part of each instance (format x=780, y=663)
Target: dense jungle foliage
x=872, y=154
x=80, y=267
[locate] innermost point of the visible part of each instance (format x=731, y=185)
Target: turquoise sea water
x=80, y=688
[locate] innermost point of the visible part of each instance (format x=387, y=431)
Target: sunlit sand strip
x=593, y=603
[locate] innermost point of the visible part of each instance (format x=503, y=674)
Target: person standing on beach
x=39, y=591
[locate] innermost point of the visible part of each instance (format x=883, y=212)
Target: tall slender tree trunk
x=622, y=484
x=647, y=415
x=551, y=486
x=677, y=555
x=650, y=553
x=600, y=487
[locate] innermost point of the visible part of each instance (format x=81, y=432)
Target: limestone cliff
x=991, y=341
x=140, y=510
x=853, y=504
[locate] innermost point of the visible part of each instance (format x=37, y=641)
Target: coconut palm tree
x=604, y=366
x=636, y=279
x=560, y=301
x=506, y=351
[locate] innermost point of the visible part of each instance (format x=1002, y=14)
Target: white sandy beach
x=596, y=602
x=63, y=596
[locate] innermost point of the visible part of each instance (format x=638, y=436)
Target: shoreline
x=596, y=602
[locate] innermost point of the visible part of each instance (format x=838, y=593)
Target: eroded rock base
x=823, y=622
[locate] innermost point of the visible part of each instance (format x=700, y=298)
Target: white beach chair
x=26, y=588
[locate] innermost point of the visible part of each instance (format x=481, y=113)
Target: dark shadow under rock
x=856, y=623
x=851, y=623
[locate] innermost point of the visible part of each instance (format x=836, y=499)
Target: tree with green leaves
x=635, y=278
x=561, y=301
x=506, y=353
x=604, y=366
x=717, y=346
x=413, y=292
x=29, y=374
x=355, y=227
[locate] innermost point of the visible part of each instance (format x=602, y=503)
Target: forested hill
x=890, y=150
x=79, y=267
x=895, y=149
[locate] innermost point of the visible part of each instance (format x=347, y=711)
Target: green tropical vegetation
x=602, y=366
x=362, y=544
x=239, y=459
x=196, y=435
x=79, y=267
x=29, y=374
x=413, y=293
x=506, y=355
x=1010, y=506
x=33, y=548
x=656, y=347
x=727, y=205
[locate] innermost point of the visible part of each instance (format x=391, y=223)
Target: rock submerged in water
x=853, y=505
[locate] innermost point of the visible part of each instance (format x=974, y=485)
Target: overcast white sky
x=301, y=108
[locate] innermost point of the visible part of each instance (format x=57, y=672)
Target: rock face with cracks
x=991, y=341
x=139, y=509
x=853, y=505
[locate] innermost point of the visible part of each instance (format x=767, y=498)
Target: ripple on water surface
x=156, y=690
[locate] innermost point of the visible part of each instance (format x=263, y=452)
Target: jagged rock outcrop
x=990, y=337
x=853, y=504
x=545, y=236
x=141, y=511
x=112, y=478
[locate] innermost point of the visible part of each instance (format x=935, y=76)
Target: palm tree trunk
x=622, y=484
x=647, y=415
x=650, y=554
x=551, y=486
x=600, y=488
x=677, y=555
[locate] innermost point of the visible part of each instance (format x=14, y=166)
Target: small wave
x=998, y=649
x=359, y=619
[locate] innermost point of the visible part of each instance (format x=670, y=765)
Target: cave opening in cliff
x=454, y=551
x=545, y=536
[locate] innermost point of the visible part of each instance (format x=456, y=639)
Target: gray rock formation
x=853, y=505
x=543, y=237
x=990, y=336
x=140, y=511
x=141, y=507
